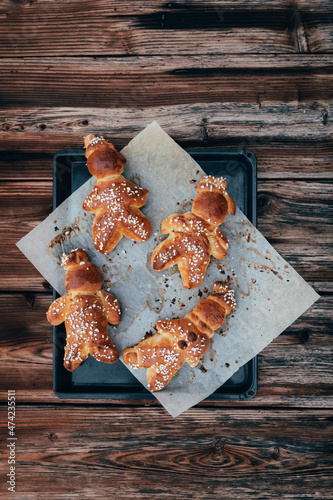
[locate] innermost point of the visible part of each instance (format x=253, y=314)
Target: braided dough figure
x=195, y=236
x=86, y=310
x=183, y=340
x=114, y=200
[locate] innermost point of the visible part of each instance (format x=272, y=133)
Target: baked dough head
x=103, y=160
x=213, y=203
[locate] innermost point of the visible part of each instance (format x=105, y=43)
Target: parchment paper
x=270, y=294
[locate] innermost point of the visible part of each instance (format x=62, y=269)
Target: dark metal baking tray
x=94, y=380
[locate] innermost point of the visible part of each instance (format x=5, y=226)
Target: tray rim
x=249, y=158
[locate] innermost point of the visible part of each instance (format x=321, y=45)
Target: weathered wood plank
x=290, y=140
x=294, y=370
x=311, y=255
x=170, y=64
x=307, y=160
x=201, y=455
x=16, y=202
x=133, y=6
x=282, y=204
x=223, y=124
x=22, y=207
x=153, y=28
x=139, y=82
x=324, y=288
x=318, y=31
x=286, y=216
x=293, y=160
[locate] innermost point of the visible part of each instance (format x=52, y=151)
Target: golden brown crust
x=179, y=341
x=86, y=311
x=87, y=332
x=56, y=313
x=111, y=307
x=213, y=199
x=218, y=244
x=212, y=207
x=115, y=204
x=114, y=200
x=189, y=252
x=103, y=160
x=190, y=244
x=195, y=236
x=85, y=275
x=74, y=257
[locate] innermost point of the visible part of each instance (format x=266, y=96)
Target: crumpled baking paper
x=270, y=294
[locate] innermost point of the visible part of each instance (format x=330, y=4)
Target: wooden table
x=216, y=74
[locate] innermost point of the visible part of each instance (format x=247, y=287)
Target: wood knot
x=47, y=285
x=263, y=203
x=324, y=116
x=52, y=436
x=204, y=131
x=304, y=336
x=219, y=446
x=30, y=298
x=276, y=452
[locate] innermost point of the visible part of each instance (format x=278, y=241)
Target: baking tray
x=94, y=380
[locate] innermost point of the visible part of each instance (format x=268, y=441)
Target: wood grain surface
x=154, y=28
x=142, y=453
x=214, y=73
x=138, y=82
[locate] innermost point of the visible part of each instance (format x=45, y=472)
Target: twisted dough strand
x=183, y=340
